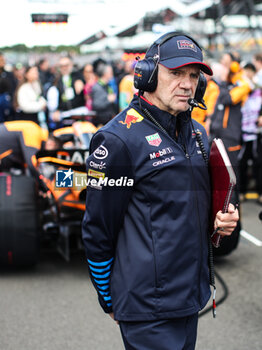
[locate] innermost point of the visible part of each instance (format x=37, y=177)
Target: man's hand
x=227, y=222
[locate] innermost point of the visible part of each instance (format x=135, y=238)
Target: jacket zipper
x=183, y=147
x=198, y=216
x=152, y=119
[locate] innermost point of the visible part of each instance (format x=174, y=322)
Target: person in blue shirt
x=147, y=219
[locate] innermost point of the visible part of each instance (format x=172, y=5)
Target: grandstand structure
x=216, y=24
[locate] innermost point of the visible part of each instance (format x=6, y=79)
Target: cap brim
x=176, y=62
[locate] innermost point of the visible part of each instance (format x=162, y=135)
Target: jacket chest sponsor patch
x=161, y=153
x=162, y=156
x=163, y=161
x=154, y=140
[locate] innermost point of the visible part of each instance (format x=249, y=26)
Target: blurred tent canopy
x=218, y=25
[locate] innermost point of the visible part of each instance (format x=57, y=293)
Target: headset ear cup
x=145, y=77
x=201, y=88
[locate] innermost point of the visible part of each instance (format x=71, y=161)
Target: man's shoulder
x=125, y=122
x=112, y=133
x=125, y=126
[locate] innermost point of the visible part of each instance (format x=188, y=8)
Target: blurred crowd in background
x=48, y=95
x=43, y=93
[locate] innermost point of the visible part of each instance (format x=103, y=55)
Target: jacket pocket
x=156, y=260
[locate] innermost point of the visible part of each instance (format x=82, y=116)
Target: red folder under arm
x=223, y=181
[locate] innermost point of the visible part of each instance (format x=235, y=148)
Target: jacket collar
x=165, y=119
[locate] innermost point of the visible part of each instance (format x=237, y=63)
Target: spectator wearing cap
x=146, y=238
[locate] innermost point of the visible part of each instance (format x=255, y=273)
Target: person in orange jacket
x=231, y=60
x=210, y=98
x=226, y=121
x=227, y=116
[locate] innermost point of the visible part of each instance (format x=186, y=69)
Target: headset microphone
x=194, y=103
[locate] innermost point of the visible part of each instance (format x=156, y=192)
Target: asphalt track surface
x=54, y=306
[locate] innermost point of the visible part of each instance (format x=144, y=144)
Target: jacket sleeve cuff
x=100, y=272
x=107, y=307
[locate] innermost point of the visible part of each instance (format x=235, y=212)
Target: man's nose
x=186, y=83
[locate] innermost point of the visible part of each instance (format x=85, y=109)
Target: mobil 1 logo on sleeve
x=101, y=152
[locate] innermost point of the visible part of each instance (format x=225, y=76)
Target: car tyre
x=19, y=224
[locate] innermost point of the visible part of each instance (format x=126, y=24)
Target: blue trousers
x=173, y=334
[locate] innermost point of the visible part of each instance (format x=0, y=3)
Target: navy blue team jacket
x=145, y=228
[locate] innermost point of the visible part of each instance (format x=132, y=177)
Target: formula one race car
x=47, y=211
x=47, y=208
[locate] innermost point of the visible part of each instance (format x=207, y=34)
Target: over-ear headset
x=201, y=88
x=145, y=78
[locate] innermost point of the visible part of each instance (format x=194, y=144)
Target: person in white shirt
x=29, y=101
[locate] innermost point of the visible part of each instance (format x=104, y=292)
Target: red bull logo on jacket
x=132, y=117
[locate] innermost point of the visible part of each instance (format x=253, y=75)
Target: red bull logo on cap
x=132, y=117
